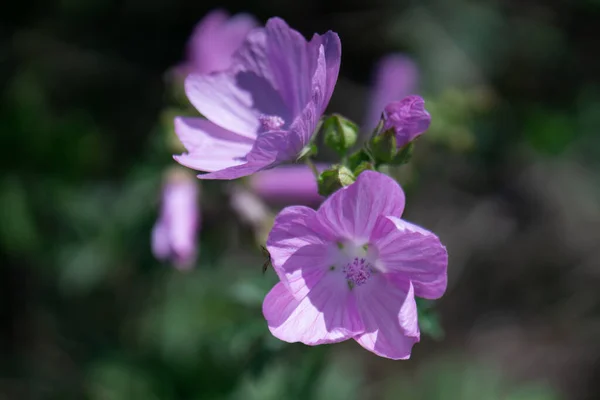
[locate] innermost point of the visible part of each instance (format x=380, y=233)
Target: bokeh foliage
x=507, y=175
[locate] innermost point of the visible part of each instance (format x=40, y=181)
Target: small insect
x=268, y=262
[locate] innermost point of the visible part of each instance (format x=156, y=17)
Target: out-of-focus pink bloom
x=249, y=207
x=289, y=184
x=407, y=118
x=214, y=41
x=264, y=109
x=396, y=76
x=174, y=234
x=352, y=269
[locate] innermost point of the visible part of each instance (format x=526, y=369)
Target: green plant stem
x=312, y=167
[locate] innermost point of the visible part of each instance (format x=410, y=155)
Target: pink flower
x=352, y=269
x=396, y=76
x=174, y=234
x=408, y=118
x=289, y=184
x=214, y=41
x=264, y=109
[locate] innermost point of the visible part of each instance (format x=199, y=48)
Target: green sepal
x=336, y=177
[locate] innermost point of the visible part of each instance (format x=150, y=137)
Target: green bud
x=358, y=158
x=383, y=147
x=340, y=133
x=334, y=178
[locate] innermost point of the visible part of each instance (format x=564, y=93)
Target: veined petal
x=289, y=57
x=412, y=252
x=351, y=212
x=332, y=50
x=327, y=314
x=389, y=312
x=210, y=147
x=234, y=172
x=236, y=98
x=299, y=253
x=304, y=126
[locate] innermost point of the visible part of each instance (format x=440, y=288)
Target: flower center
x=271, y=122
x=357, y=272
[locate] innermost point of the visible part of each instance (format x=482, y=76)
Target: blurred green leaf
x=18, y=231
x=114, y=380
x=550, y=132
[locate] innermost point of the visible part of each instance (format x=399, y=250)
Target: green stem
x=312, y=167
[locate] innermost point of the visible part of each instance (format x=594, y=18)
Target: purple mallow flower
x=264, y=109
x=174, y=234
x=407, y=117
x=352, y=269
x=289, y=184
x=214, y=41
x=395, y=77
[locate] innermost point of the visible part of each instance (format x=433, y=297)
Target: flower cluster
x=352, y=268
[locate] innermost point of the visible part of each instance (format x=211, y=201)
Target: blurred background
x=508, y=176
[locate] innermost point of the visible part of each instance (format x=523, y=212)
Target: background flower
x=214, y=41
x=287, y=185
x=174, y=236
x=395, y=77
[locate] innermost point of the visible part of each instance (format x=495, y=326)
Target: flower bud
x=407, y=118
x=340, y=133
x=335, y=178
x=383, y=147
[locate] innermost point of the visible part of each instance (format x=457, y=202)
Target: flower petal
x=351, y=212
x=290, y=61
x=332, y=50
x=210, y=147
x=413, y=253
x=236, y=98
x=328, y=314
x=299, y=253
x=389, y=312
x=269, y=150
